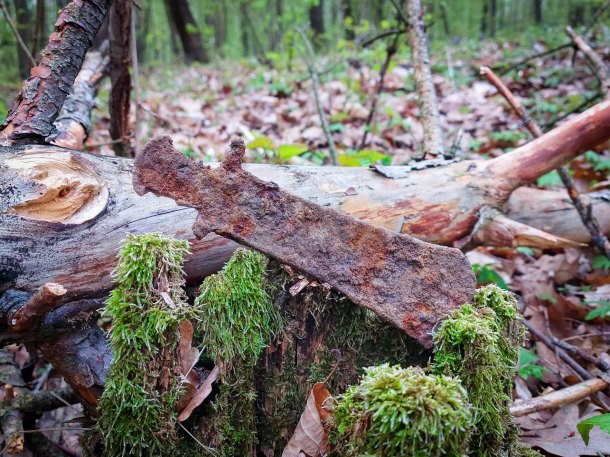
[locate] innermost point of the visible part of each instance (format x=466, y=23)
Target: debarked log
x=63, y=213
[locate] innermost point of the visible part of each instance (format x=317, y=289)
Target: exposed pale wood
x=559, y=398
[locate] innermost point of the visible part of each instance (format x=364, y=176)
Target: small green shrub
x=399, y=412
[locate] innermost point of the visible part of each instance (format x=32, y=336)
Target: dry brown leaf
x=559, y=435
x=310, y=437
x=201, y=394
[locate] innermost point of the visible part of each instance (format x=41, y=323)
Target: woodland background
x=211, y=70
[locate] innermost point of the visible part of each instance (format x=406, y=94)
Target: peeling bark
x=31, y=117
x=74, y=120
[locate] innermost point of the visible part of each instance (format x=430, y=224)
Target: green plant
x=479, y=345
x=602, y=310
x=363, y=158
x=584, y=427
x=397, y=412
x=138, y=404
x=599, y=162
x=486, y=275
x=550, y=179
x=600, y=262
x=527, y=364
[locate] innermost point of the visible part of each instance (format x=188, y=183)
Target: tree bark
x=65, y=213
x=120, y=62
x=74, y=121
x=31, y=116
x=188, y=30
x=434, y=143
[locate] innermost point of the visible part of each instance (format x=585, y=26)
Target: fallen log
x=64, y=213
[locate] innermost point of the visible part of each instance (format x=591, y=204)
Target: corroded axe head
x=409, y=283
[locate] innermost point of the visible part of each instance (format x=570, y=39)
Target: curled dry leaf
x=310, y=437
x=201, y=394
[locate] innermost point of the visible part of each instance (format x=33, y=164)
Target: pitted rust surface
x=408, y=282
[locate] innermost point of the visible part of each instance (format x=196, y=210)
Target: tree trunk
x=74, y=239
x=243, y=18
x=188, y=30
x=316, y=20
x=34, y=111
x=24, y=26
x=348, y=11
x=434, y=144
x=40, y=29
x=538, y=11
x=120, y=62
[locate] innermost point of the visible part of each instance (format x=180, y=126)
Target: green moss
x=397, y=412
x=237, y=316
x=237, y=321
x=479, y=344
x=143, y=384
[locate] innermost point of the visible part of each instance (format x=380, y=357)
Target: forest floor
x=564, y=292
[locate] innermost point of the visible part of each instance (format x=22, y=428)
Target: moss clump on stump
x=397, y=411
x=237, y=321
x=143, y=385
x=479, y=345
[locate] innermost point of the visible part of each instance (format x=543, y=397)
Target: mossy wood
x=407, y=282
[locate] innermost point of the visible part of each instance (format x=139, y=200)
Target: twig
x=598, y=12
x=558, y=398
x=535, y=56
x=399, y=13
x=310, y=61
x=598, y=65
x=387, y=33
x=13, y=27
x=599, y=240
x=390, y=51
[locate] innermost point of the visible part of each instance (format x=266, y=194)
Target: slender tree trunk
x=243, y=18
x=434, y=145
x=40, y=29
x=348, y=11
x=316, y=20
x=188, y=31
x=538, y=11
x=120, y=62
x=24, y=26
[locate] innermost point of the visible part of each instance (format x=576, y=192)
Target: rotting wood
x=405, y=281
x=32, y=114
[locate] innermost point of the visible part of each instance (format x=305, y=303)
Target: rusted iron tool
x=409, y=283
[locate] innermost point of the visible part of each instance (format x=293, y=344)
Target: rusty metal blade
x=409, y=283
